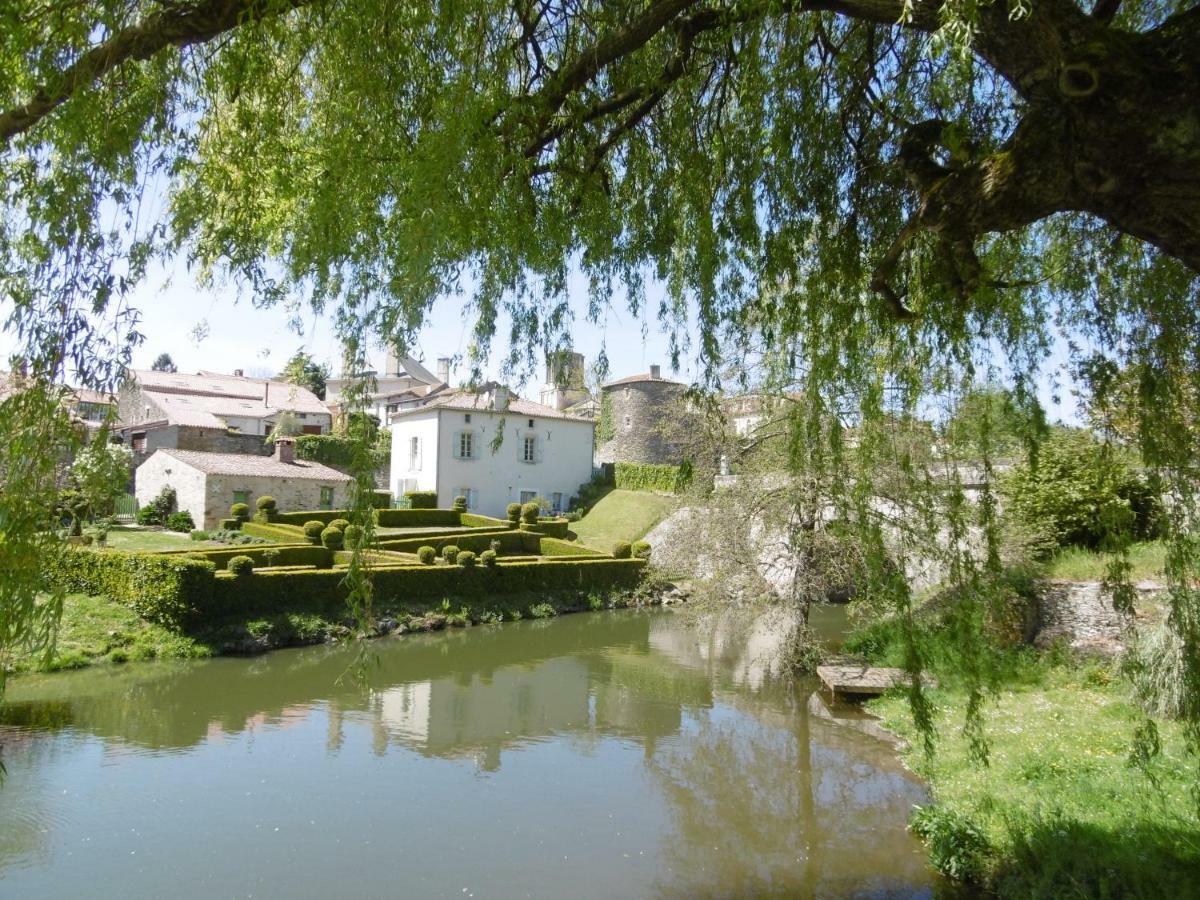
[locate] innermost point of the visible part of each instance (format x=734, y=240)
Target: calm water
x=601, y=755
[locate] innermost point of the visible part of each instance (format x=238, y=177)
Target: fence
x=125, y=509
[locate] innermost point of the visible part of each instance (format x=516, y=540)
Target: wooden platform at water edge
x=865, y=681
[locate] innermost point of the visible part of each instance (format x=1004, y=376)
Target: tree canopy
x=306, y=372
x=163, y=363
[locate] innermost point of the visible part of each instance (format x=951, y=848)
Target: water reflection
x=673, y=752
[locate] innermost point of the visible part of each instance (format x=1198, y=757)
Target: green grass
x=622, y=516
x=1079, y=564
x=96, y=630
x=1058, y=811
x=137, y=539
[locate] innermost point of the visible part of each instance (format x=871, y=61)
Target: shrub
x=333, y=538
x=466, y=559
x=542, y=611
x=241, y=566
x=180, y=521
x=646, y=477
x=379, y=499
x=240, y=511
x=266, y=504
x=495, y=547
x=488, y=558
x=622, y=550
x=418, y=518
x=199, y=535
x=460, y=503
x=340, y=523
x=450, y=553
x=513, y=511
x=426, y=555
x=313, y=529
x=530, y=512
x=958, y=848
x=232, y=524
x=641, y=549
x=354, y=535
x=422, y=499
x=148, y=515
x=270, y=557
x=157, y=510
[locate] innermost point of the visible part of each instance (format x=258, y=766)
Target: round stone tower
x=640, y=410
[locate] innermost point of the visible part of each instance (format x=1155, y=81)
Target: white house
x=403, y=383
x=207, y=484
x=492, y=448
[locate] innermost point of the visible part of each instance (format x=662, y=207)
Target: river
x=619, y=754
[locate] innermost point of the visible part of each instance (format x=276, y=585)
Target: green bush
x=622, y=550
x=313, y=529
x=180, y=521
x=288, y=534
x=148, y=515
x=240, y=511
x=379, y=499
x=542, y=611
x=422, y=499
x=199, y=535
x=488, y=559
x=354, y=535
x=548, y=546
x=460, y=503
x=450, y=553
x=530, y=512
x=231, y=524
x=1081, y=494
x=418, y=518
x=646, y=477
x=510, y=542
x=241, y=566
x=958, y=848
x=513, y=511
x=270, y=557
x=157, y=510
x=427, y=555
x=466, y=559
x=641, y=549
x=266, y=504
x=333, y=538
x=471, y=520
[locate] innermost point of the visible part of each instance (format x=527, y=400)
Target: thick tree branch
x=175, y=25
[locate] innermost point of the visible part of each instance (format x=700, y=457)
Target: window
x=241, y=496
x=556, y=501
x=467, y=418
x=531, y=423
x=528, y=496
x=465, y=446
x=414, y=454
x=471, y=494
x=326, y=497
x=139, y=442
x=529, y=449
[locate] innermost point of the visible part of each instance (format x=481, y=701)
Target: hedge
x=554, y=547
x=289, y=534
x=288, y=554
x=299, y=517
x=647, y=477
x=557, y=528
x=422, y=499
x=474, y=520
x=418, y=518
x=170, y=589
x=510, y=542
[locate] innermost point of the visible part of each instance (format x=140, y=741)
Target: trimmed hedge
x=513, y=511
x=240, y=566
x=289, y=534
x=557, y=528
x=313, y=529
x=646, y=477
x=510, y=542
x=422, y=499
x=622, y=550
x=300, y=517
x=333, y=537
x=641, y=549
x=426, y=555
x=231, y=524
x=549, y=546
x=418, y=518
x=286, y=554
x=467, y=559
x=170, y=589
x=472, y=520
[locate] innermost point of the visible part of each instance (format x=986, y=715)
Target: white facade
x=449, y=450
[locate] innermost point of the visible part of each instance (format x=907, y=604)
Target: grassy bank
x=622, y=516
x=1080, y=564
x=1058, y=811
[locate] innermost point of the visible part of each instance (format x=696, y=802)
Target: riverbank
x=1058, y=811
x=99, y=631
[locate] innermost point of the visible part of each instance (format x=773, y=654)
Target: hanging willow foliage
x=892, y=199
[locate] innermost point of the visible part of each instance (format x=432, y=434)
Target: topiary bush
x=641, y=549
x=333, y=538
x=340, y=523
x=241, y=566
x=266, y=502
x=450, y=553
x=530, y=512
x=513, y=511
x=422, y=499
x=427, y=555
x=354, y=535
x=313, y=529
x=460, y=503
x=270, y=557
x=488, y=559
x=180, y=521
x=622, y=550
x=240, y=511
x=266, y=509
x=466, y=559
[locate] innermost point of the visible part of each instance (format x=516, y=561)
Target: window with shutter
x=465, y=446
x=414, y=454
x=529, y=449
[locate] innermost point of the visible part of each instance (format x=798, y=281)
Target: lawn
x=1080, y=564
x=1058, y=811
x=140, y=539
x=622, y=516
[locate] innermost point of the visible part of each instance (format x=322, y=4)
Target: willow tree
x=893, y=196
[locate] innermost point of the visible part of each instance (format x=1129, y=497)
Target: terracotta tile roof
x=270, y=396
x=634, y=379
x=245, y=464
x=470, y=401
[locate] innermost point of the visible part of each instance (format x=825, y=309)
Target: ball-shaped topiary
x=340, y=523
x=530, y=512
x=513, y=510
x=240, y=511
x=460, y=503
x=354, y=535
x=450, y=553
x=313, y=529
x=622, y=550
x=333, y=538
x=427, y=555
x=641, y=549
x=241, y=566
x=466, y=559
x=488, y=559
x=266, y=502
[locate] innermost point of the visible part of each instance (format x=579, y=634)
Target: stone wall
x=1081, y=615
x=643, y=414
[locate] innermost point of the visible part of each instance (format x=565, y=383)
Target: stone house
x=208, y=484
x=211, y=412
x=640, y=410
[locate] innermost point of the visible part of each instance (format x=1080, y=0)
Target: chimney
x=239, y=373
x=655, y=372
x=500, y=398
x=443, y=369
x=285, y=450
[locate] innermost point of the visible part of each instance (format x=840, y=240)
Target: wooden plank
x=866, y=681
